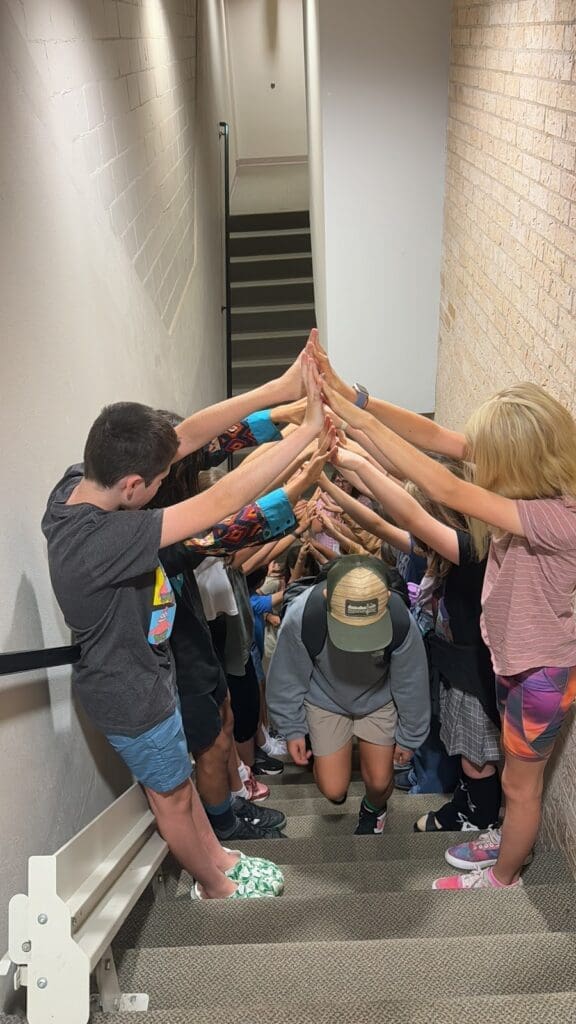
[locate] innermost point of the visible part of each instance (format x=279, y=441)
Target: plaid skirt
x=466, y=729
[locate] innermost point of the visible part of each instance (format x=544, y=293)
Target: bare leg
x=212, y=763
x=523, y=783
x=235, y=783
x=332, y=773
x=377, y=769
x=175, y=819
x=473, y=772
x=246, y=751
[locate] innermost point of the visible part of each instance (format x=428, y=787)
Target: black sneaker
x=370, y=823
x=249, y=830
x=267, y=817
x=264, y=765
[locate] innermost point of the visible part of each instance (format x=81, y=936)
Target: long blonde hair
x=522, y=443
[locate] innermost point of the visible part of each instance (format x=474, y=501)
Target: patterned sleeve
x=256, y=429
x=256, y=523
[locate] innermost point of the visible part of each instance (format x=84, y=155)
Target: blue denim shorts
x=157, y=758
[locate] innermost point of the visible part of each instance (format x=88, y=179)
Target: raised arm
x=419, y=430
x=367, y=519
x=433, y=478
x=243, y=484
x=206, y=424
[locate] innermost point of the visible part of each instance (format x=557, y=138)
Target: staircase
x=359, y=936
x=272, y=294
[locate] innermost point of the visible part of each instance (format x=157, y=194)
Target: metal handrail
x=225, y=134
x=28, y=661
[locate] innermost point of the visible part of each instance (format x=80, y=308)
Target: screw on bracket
x=42, y=983
x=42, y=919
x=26, y=947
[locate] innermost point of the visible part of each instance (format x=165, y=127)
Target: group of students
x=403, y=585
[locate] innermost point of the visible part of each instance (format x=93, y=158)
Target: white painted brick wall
x=121, y=77
x=509, y=264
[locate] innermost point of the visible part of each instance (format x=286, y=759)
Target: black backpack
x=314, y=621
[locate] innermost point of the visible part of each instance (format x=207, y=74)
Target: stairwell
x=358, y=936
x=272, y=294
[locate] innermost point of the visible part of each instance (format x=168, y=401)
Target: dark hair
x=182, y=480
x=256, y=578
x=128, y=438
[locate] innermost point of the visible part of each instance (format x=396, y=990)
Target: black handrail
x=28, y=661
x=225, y=134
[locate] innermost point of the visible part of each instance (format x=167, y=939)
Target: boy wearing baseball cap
x=350, y=662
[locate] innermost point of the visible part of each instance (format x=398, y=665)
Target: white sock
x=240, y=792
x=243, y=771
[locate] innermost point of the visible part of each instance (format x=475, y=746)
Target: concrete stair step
x=291, y=974
x=270, y=244
x=272, y=293
x=372, y=915
x=288, y=219
x=254, y=268
x=274, y=318
x=538, y=1008
x=262, y=348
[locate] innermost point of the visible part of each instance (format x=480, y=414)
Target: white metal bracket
x=111, y=999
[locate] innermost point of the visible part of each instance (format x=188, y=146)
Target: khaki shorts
x=330, y=732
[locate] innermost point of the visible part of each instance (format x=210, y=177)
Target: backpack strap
x=315, y=625
x=314, y=622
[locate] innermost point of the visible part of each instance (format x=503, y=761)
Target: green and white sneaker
x=264, y=872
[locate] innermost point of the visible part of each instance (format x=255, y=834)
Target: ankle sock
x=370, y=807
x=240, y=792
x=499, y=885
x=243, y=771
x=222, y=818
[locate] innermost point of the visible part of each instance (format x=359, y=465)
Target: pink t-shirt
x=527, y=614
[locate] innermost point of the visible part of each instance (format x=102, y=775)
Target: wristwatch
x=362, y=395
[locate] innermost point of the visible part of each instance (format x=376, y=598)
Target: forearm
x=373, y=451
x=206, y=424
x=234, y=491
x=418, y=430
x=368, y=520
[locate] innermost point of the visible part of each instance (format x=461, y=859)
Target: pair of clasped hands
x=325, y=402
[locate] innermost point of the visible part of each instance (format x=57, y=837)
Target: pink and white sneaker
x=257, y=791
x=476, y=879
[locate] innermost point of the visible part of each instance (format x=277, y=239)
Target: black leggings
x=245, y=698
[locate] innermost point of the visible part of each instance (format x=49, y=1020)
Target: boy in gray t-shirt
x=105, y=567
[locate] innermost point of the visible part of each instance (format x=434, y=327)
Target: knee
x=334, y=792
x=378, y=781
x=173, y=804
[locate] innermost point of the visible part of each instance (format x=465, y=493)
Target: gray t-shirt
x=118, y=603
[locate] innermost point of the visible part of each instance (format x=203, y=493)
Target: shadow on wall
x=52, y=692
x=272, y=24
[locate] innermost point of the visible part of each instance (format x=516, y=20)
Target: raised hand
x=343, y=409
x=314, y=416
x=325, y=367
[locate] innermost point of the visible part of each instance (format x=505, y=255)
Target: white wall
x=266, y=45
x=86, y=320
x=383, y=97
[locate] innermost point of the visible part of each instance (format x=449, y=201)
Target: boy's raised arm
x=206, y=424
x=250, y=479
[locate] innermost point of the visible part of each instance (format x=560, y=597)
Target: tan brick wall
x=121, y=77
x=509, y=251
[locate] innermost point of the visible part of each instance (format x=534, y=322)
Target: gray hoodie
x=346, y=683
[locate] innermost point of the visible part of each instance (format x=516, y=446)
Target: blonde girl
x=522, y=443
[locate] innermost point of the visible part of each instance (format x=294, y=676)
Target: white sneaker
x=274, y=745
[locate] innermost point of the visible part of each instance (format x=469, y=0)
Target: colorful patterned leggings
x=533, y=706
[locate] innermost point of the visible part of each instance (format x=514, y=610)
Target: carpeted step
x=307, y=790
x=401, y=807
x=540, y=1008
x=352, y=972
x=334, y=878
x=370, y=916
x=388, y=846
